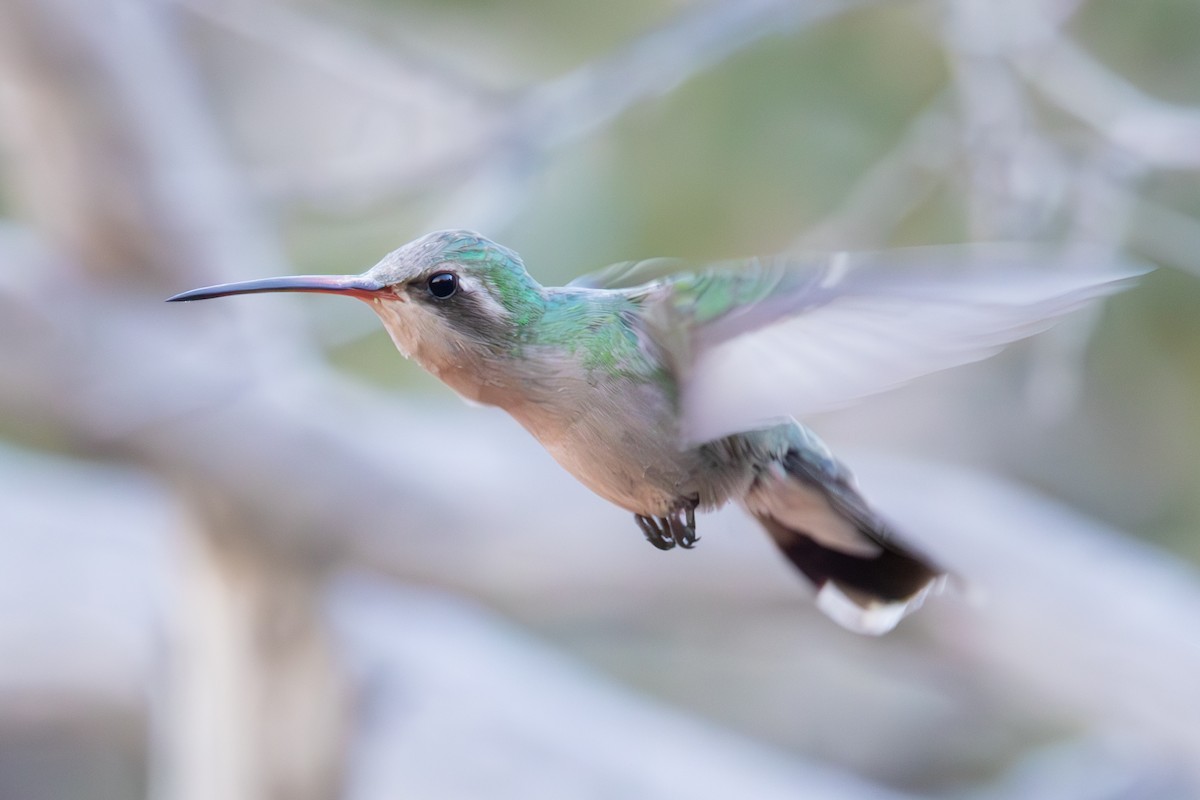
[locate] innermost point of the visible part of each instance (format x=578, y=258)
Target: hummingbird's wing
x=756, y=341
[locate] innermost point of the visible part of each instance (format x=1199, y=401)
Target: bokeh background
x=246, y=551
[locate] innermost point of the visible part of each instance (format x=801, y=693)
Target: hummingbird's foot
x=657, y=531
x=667, y=532
x=684, y=533
x=689, y=537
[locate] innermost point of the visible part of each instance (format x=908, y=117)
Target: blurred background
x=246, y=551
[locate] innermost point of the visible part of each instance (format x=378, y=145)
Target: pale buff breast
x=620, y=441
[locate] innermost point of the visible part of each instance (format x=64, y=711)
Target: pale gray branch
x=1161, y=135
x=592, y=95
x=457, y=131
x=1016, y=179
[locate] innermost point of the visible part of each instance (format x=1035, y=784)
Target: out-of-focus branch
x=398, y=79
x=445, y=122
x=118, y=163
x=1016, y=179
x=437, y=674
x=1080, y=622
x=457, y=129
x=586, y=98
x=628, y=747
x=1159, y=134
x=1026, y=181
x=1074, y=610
x=124, y=176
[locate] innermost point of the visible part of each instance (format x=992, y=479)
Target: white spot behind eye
x=472, y=285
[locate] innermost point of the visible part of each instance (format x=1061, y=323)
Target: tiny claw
x=684, y=534
x=655, y=532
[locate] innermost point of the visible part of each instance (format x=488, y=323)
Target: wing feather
x=771, y=338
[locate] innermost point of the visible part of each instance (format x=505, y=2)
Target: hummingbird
x=668, y=388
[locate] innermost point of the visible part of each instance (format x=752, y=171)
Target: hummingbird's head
x=453, y=293
x=453, y=300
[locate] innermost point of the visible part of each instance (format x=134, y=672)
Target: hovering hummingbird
x=668, y=391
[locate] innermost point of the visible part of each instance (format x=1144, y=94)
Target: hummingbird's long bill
x=353, y=285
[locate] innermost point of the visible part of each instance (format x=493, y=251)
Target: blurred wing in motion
x=756, y=341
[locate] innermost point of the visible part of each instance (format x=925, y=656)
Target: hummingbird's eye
x=442, y=284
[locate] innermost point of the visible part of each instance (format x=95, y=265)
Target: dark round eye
x=442, y=284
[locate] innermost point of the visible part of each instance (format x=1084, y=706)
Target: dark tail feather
x=867, y=579
x=894, y=574
x=867, y=594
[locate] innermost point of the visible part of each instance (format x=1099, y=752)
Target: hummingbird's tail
x=867, y=580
